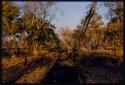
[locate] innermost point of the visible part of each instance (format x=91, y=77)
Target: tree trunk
x=25, y=62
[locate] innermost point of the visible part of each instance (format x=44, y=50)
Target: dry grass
x=118, y=53
x=14, y=60
x=6, y=63
x=34, y=76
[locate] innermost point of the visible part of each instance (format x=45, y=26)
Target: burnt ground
x=99, y=71
x=61, y=74
x=93, y=71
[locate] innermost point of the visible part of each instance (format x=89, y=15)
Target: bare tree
x=85, y=25
x=74, y=52
x=36, y=17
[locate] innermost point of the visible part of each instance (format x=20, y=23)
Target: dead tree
x=88, y=18
x=85, y=25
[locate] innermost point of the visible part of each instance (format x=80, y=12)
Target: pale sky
x=72, y=13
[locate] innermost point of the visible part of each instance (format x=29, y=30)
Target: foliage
x=10, y=12
x=48, y=36
x=115, y=9
x=90, y=35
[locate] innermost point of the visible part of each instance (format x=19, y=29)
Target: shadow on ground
x=62, y=74
x=99, y=71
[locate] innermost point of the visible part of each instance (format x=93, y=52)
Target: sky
x=73, y=12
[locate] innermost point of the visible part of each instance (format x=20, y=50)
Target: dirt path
x=36, y=74
x=57, y=73
x=14, y=73
x=61, y=74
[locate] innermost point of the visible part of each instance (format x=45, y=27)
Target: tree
x=82, y=34
x=10, y=12
x=114, y=33
x=66, y=39
x=115, y=9
x=95, y=21
x=94, y=25
x=49, y=37
x=37, y=18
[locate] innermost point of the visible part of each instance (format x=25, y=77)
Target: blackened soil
x=98, y=72
x=62, y=74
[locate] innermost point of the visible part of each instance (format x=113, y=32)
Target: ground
x=90, y=69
